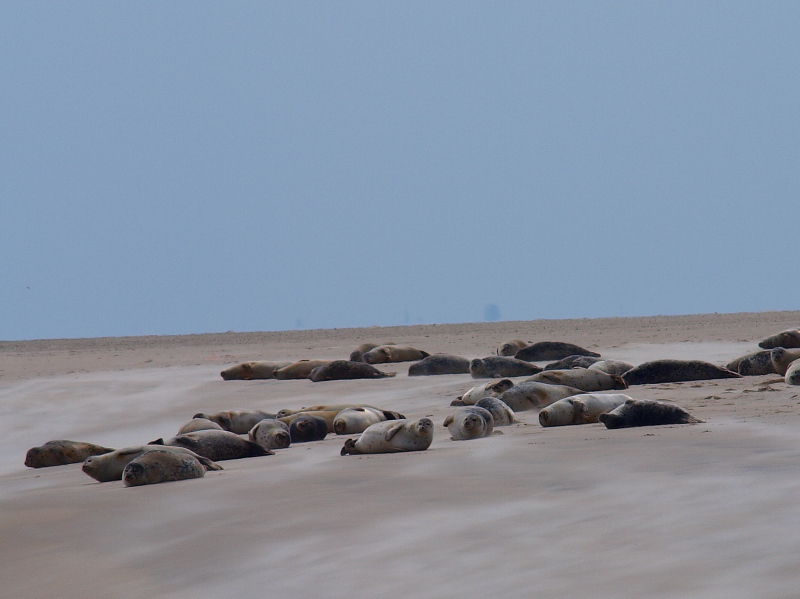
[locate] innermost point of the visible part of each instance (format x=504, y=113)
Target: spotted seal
x=499, y=367
x=60, y=452
x=470, y=422
x=584, y=408
x=646, y=412
x=439, y=364
x=502, y=414
x=673, y=371
x=161, y=466
x=308, y=427
x=392, y=436
x=490, y=389
x=529, y=395
x=552, y=350
x=270, y=433
x=353, y=421
x=109, y=466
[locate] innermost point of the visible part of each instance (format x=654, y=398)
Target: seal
x=502, y=414
x=532, y=396
x=357, y=355
x=60, y=452
x=199, y=424
x=353, y=421
x=285, y=413
x=511, y=347
x=345, y=369
x=308, y=427
x=439, y=364
x=499, y=367
x=490, y=389
x=247, y=371
x=161, y=466
x=299, y=370
x=237, y=421
x=327, y=415
x=393, y=353
x=552, y=350
x=787, y=339
x=270, y=434
x=572, y=362
x=646, y=412
x=109, y=466
x=392, y=436
x=782, y=358
x=757, y=364
x=584, y=408
x=617, y=367
x=470, y=422
x=792, y=376
x=581, y=378
x=674, y=371
x=216, y=445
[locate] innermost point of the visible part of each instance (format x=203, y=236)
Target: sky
x=192, y=167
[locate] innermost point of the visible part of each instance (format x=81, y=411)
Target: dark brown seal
x=216, y=445
x=346, y=369
x=439, y=364
x=499, y=367
x=674, y=371
x=552, y=350
x=60, y=452
x=646, y=412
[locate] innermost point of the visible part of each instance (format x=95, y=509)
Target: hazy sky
x=188, y=167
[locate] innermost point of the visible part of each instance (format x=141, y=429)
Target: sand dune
x=704, y=510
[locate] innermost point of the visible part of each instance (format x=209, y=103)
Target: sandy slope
x=707, y=510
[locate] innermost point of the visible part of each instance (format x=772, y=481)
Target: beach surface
x=706, y=510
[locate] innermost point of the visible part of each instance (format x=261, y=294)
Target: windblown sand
x=709, y=510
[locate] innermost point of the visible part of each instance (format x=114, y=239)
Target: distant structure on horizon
x=491, y=313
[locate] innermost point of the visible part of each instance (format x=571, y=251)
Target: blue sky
x=191, y=167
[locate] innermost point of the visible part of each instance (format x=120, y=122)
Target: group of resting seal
x=567, y=391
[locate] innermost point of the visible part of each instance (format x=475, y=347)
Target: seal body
x=781, y=358
x=270, y=434
x=584, y=408
x=237, y=421
x=511, y=347
x=574, y=361
x=581, y=378
x=617, y=367
x=345, y=369
x=470, y=422
x=199, y=424
x=308, y=427
x=787, y=339
x=439, y=364
x=357, y=355
x=286, y=412
x=247, y=371
x=392, y=436
x=491, y=389
x=327, y=415
x=552, y=350
x=502, y=414
x=646, y=412
x=300, y=369
x=757, y=364
x=161, y=466
x=216, y=445
x=532, y=396
x=393, y=353
x=792, y=376
x=353, y=421
x=498, y=367
x=109, y=466
x=60, y=452
x=673, y=371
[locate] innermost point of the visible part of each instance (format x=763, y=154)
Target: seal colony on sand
x=673, y=371
x=552, y=350
x=646, y=412
x=61, y=452
x=391, y=437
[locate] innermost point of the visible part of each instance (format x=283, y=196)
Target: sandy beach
x=702, y=511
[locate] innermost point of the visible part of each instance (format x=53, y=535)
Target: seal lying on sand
x=532, y=396
x=393, y=353
x=498, y=367
x=345, y=369
x=787, y=339
x=754, y=364
x=511, y=347
x=502, y=414
x=792, y=375
x=109, y=466
x=673, y=371
x=392, y=436
x=646, y=412
x=552, y=350
x=270, y=434
x=216, y=445
x=470, y=422
x=161, y=466
x=782, y=358
x=492, y=389
x=617, y=367
x=353, y=421
x=309, y=427
x=300, y=369
x=60, y=452
x=247, y=371
x=584, y=408
x=236, y=421
x=581, y=378
x=439, y=364
x=572, y=362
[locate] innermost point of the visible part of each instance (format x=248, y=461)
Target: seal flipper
x=390, y=415
x=208, y=464
x=257, y=450
x=349, y=448
x=158, y=441
x=394, y=430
